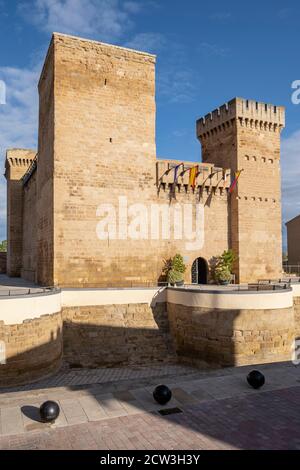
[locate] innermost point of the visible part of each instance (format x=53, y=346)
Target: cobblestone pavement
x=218, y=410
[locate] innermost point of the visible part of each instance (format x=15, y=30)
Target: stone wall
x=297, y=316
x=29, y=230
x=293, y=235
x=33, y=349
x=3, y=257
x=137, y=333
x=45, y=175
x=223, y=337
x=113, y=335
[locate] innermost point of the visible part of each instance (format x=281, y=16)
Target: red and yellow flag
x=234, y=182
x=193, y=176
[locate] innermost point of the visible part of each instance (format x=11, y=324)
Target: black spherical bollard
x=162, y=394
x=49, y=411
x=256, y=379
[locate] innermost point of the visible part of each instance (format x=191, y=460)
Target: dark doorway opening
x=199, y=271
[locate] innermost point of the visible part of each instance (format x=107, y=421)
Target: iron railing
x=291, y=268
x=239, y=287
x=28, y=291
x=283, y=280
x=263, y=285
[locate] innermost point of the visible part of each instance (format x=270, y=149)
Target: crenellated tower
x=17, y=163
x=245, y=135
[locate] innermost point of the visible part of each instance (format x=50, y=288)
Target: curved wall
x=14, y=310
x=107, y=327
x=33, y=349
x=233, y=328
x=296, y=296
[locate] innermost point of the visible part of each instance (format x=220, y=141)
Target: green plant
x=223, y=266
x=222, y=274
x=174, y=269
x=3, y=245
x=228, y=258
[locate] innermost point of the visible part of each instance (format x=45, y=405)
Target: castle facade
x=95, y=207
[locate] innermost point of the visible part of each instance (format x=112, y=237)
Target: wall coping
x=53, y=291
x=229, y=291
x=231, y=300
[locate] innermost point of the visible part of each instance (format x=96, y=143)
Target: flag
x=234, y=182
x=175, y=172
x=193, y=176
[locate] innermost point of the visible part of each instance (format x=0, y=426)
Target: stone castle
x=97, y=143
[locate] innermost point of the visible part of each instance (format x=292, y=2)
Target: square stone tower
x=96, y=141
x=245, y=135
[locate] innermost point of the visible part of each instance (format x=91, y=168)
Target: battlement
x=18, y=160
x=245, y=112
x=208, y=174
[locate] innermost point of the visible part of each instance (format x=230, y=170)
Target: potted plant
x=223, y=267
x=222, y=275
x=174, y=270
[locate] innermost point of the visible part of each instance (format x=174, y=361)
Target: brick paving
x=220, y=411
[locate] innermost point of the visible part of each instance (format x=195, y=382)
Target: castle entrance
x=199, y=271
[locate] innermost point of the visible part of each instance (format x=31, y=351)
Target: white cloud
x=290, y=176
x=284, y=13
x=106, y=20
x=213, y=49
x=132, y=7
x=179, y=133
x=221, y=16
x=176, y=85
x=18, y=120
x=148, y=42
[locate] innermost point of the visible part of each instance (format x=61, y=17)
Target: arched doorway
x=199, y=271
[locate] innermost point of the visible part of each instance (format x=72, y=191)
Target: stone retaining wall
x=139, y=333
x=111, y=335
x=232, y=337
x=33, y=349
x=297, y=316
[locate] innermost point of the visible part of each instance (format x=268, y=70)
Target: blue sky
x=208, y=52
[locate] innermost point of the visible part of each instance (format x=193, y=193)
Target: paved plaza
x=114, y=409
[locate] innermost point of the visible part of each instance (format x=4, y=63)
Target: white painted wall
x=296, y=290
x=88, y=297
x=14, y=310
